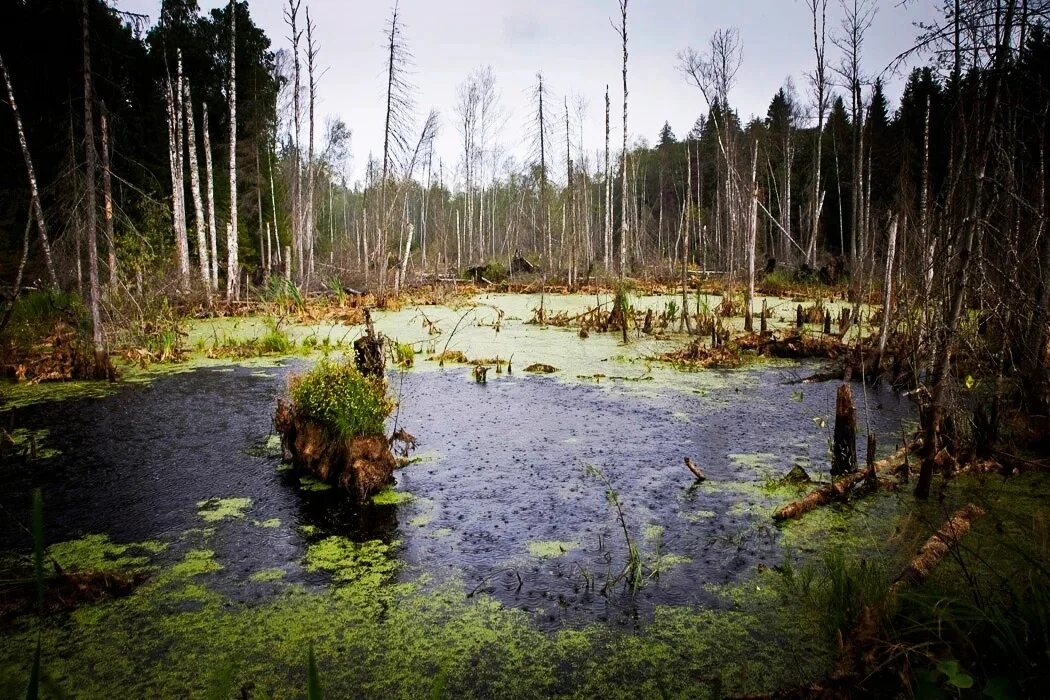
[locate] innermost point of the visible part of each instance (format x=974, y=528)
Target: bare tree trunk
x=887, y=291
x=608, y=190
x=38, y=210
x=89, y=198
x=623, y=187
x=195, y=188
x=311, y=180
x=212, y=236
x=751, y=241
x=291, y=16
x=233, y=277
x=107, y=200
x=178, y=183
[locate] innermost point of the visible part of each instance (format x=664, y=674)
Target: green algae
x=216, y=509
x=312, y=484
x=440, y=533
x=98, y=553
x=308, y=530
x=30, y=443
x=196, y=562
x=551, y=549
x=349, y=561
x=391, y=497
x=270, y=524
x=270, y=448
x=373, y=637
x=268, y=576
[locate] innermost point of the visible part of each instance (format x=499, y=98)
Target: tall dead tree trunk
x=291, y=16
x=752, y=242
x=232, y=268
x=887, y=292
x=89, y=200
x=608, y=190
x=844, y=445
x=107, y=199
x=195, y=189
x=623, y=187
x=38, y=209
x=210, y=188
x=311, y=179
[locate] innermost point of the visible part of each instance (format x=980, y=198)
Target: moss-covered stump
x=332, y=428
x=361, y=465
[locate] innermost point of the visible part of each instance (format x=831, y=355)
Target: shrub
x=496, y=272
x=339, y=397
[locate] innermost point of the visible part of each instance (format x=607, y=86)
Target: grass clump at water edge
x=338, y=396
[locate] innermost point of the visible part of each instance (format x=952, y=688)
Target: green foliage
x=841, y=586
x=336, y=395
x=36, y=314
x=313, y=679
x=275, y=341
x=496, y=272
x=283, y=292
x=404, y=355
x=778, y=282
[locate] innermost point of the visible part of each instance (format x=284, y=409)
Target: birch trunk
x=232, y=268
x=107, y=200
x=887, y=291
x=195, y=189
x=38, y=210
x=213, y=238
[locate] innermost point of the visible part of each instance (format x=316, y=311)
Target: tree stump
x=368, y=351
x=844, y=446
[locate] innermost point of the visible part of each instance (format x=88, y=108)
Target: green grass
x=336, y=395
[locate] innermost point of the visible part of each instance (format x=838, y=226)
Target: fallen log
x=837, y=490
x=937, y=547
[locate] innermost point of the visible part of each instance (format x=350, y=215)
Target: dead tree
x=291, y=17
x=101, y=361
x=819, y=81
x=38, y=209
x=311, y=172
x=844, y=446
x=195, y=189
x=887, y=292
x=624, y=232
x=210, y=188
x=107, y=199
x=233, y=276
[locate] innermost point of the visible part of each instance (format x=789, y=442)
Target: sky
x=575, y=46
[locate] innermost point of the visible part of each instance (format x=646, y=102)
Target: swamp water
x=489, y=569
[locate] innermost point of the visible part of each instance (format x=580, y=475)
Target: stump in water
x=361, y=466
x=763, y=326
x=827, y=323
x=800, y=317
x=368, y=351
x=844, y=448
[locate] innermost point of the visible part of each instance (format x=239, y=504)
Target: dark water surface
x=501, y=480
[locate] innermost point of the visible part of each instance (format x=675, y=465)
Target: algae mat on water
x=176, y=637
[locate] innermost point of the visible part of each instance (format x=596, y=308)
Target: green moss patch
x=216, y=509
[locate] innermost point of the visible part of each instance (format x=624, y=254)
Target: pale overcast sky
x=574, y=44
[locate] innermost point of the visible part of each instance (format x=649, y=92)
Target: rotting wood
x=837, y=490
x=940, y=544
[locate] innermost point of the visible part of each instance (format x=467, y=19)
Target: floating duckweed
x=30, y=443
x=551, y=549
x=216, y=509
x=308, y=530
x=269, y=524
x=195, y=563
x=98, y=553
x=309, y=483
x=391, y=497
x=350, y=561
x=267, y=575
x=697, y=516
x=440, y=533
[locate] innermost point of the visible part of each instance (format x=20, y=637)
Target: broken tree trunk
x=844, y=448
x=938, y=547
x=838, y=490
x=38, y=210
